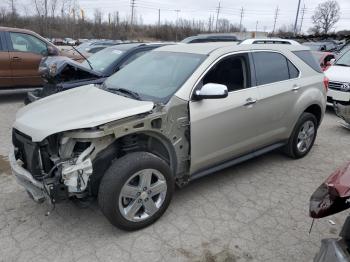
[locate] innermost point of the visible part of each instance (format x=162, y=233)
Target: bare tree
x=53, y=7
x=326, y=15
x=98, y=16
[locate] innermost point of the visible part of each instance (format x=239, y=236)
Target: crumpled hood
x=338, y=73
x=63, y=64
x=82, y=107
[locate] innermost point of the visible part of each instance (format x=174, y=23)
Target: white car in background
x=339, y=87
x=339, y=80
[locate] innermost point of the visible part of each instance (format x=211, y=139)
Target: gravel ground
x=256, y=211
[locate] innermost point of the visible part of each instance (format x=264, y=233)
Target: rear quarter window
x=309, y=59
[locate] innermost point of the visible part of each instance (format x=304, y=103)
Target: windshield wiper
x=128, y=92
x=342, y=65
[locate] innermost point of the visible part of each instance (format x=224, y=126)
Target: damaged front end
x=343, y=112
x=57, y=168
x=60, y=73
x=70, y=164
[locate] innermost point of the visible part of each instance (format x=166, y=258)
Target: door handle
x=250, y=101
x=16, y=59
x=295, y=88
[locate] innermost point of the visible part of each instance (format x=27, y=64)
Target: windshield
x=344, y=60
x=155, y=76
x=103, y=59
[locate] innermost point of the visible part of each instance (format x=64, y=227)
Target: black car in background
x=61, y=73
x=204, y=38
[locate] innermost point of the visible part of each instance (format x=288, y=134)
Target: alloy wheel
x=306, y=136
x=142, y=195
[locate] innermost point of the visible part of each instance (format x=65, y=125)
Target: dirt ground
x=256, y=211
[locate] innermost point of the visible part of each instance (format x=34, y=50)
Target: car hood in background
x=52, y=67
x=338, y=73
x=82, y=107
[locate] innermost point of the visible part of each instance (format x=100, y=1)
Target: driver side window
x=231, y=71
x=27, y=43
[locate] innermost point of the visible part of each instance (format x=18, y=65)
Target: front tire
x=303, y=136
x=136, y=190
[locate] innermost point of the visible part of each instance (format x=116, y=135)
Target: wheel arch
x=148, y=141
x=316, y=110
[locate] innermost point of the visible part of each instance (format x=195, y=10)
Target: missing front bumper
x=25, y=179
x=343, y=111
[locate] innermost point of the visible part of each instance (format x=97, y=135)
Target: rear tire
x=303, y=136
x=125, y=193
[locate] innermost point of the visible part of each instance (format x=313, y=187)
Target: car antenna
x=87, y=60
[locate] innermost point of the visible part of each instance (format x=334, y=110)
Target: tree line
x=64, y=18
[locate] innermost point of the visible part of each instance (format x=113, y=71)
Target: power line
x=275, y=20
x=240, y=21
x=217, y=17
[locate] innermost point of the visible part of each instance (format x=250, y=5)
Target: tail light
x=326, y=83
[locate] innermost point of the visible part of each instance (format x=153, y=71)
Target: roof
x=226, y=47
x=20, y=30
x=197, y=48
x=126, y=47
x=13, y=29
x=189, y=39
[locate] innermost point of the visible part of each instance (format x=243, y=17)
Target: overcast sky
x=254, y=10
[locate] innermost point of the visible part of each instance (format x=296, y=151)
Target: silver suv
x=173, y=115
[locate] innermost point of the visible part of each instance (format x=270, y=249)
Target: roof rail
x=278, y=41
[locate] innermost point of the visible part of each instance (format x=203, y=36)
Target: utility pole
x=217, y=16
x=132, y=5
x=303, y=10
x=276, y=16
x=240, y=21
x=177, y=22
x=296, y=18
x=158, y=17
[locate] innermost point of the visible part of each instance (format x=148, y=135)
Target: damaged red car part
x=333, y=195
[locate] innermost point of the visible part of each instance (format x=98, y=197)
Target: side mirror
x=211, y=91
x=51, y=51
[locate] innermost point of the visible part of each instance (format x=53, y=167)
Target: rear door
x=278, y=83
x=5, y=67
x=26, y=52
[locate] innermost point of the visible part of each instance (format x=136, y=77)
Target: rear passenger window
x=270, y=67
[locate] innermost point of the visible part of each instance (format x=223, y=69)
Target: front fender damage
x=167, y=126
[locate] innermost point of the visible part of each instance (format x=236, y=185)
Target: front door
x=222, y=129
x=25, y=57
